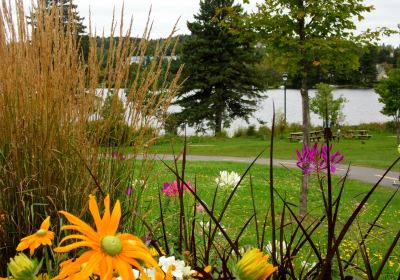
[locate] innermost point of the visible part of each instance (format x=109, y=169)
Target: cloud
x=166, y=12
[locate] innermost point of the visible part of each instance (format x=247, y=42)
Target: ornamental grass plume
x=254, y=266
x=108, y=252
x=54, y=132
x=41, y=237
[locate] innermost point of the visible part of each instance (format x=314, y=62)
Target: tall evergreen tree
x=67, y=8
x=222, y=82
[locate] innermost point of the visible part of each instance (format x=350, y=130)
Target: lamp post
x=284, y=78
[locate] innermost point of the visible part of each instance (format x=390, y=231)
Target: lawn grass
x=379, y=151
x=287, y=183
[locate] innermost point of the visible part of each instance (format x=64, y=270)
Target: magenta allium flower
x=171, y=189
x=314, y=159
x=305, y=158
x=336, y=158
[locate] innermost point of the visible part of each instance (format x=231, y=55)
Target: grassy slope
x=287, y=182
x=379, y=151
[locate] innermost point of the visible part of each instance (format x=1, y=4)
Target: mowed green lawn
x=287, y=183
x=379, y=151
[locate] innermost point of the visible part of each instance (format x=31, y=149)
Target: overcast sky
x=166, y=12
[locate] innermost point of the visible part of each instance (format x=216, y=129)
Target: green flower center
x=41, y=232
x=111, y=245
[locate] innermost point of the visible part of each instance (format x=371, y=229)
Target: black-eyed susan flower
x=42, y=237
x=108, y=253
x=254, y=266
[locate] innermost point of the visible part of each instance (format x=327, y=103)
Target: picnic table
x=357, y=134
x=315, y=136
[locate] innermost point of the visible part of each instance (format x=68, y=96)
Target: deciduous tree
x=304, y=34
x=389, y=94
x=325, y=106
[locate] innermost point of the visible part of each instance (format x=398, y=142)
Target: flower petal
x=115, y=218
x=24, y=244
x=45, y=224
x=79, y=223
x=94, y=210
x=106, y=215
x=74, y=246
x=123, y=268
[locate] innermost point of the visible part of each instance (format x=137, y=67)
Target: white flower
x=151, y=273
x=179, y=269
x=137, y=183
x=219, y=231
x=242, y=250
x=227, y=179
x=204, y=225
x=269, y=246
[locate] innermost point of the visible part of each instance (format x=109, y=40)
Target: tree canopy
x=389, y=94
x=222, y=80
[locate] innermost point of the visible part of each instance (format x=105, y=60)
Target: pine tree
x=222, y=82
x=66, y=8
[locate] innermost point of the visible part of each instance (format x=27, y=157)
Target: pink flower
x=314, y=159
x=200, y=208
x=118, y=155
x=358, y=204
x=171, y=189
x=129, y=191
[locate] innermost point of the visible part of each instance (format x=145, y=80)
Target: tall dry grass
x=49, y=159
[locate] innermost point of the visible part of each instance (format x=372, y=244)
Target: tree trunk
x=306, y=141
x=305, y=68
x=397, y=122
x=218, y=122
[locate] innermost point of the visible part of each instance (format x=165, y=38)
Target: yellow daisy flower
x=42, y=237
x=254, y=266
x=109, y=252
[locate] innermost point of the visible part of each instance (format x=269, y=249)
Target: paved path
x=364, y=174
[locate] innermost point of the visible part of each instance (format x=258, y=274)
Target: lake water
x=362, y=107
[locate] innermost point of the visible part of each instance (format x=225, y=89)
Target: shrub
x=294, y=127
x=251, y=130
x=222, y=134
x=377, y=127
x=239, y=132
x=263, y=131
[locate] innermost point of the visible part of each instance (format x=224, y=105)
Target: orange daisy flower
x=42, y=237
x=109, y=252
